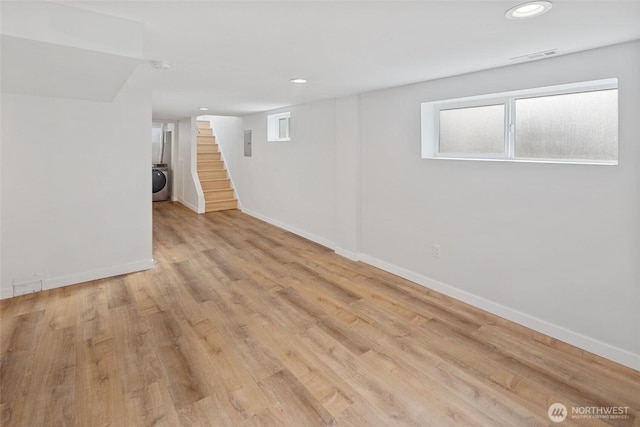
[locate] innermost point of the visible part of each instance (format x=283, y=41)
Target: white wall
x=156, y=142
x=76, y=199
x=554, y=247
x=558, y=243
x=291, y=183
x=189, y=192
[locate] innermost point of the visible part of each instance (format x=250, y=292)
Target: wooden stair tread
x=221, y=205
x=221, y=201
x=216, y=184
x=209, y=157
x=207, y=145
x=213, y=192
x=213, y=174
x=219, y=195
x=211, y=164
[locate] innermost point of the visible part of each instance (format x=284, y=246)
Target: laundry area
x=162, y=135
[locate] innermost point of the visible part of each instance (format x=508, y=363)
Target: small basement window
x=278, y=127
x=573, y=123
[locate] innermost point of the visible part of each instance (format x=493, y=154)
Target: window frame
x=273, y=127
x=458, y=105
x=430, y=112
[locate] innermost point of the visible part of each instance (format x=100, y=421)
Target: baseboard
x=353, y=256
x=600, y=348
x=314, y=238
x=189, y=205
x=87, y=276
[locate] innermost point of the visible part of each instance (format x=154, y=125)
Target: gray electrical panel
x=247, y=143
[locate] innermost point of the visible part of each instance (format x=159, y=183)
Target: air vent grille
x=536, y=55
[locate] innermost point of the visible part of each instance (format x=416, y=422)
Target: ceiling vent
x=537, y=55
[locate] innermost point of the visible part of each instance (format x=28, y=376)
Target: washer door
x=159, y=180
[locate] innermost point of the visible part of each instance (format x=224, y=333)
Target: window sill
x=551, y=161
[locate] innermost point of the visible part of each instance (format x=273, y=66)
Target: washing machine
x=160, y=179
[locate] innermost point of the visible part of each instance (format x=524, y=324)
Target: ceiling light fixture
x=204, y=109
x=528, y=10
x=160, y=65
x=298, y=80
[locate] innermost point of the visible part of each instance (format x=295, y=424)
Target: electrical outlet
x=436, y=250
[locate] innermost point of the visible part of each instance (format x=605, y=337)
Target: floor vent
x=27, y=285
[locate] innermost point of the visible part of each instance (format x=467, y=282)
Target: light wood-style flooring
x=244, y=324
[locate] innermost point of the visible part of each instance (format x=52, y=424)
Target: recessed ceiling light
x=204, y=109
x=298, y=80
x=160, y=65
x=528, y=10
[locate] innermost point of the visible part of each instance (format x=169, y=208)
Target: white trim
x=87, y=276
x=353, y=256
x=189, y=205
x=557, y=162
x=600, y=348
x=493, y=102
x=295, y=230
x=194, y=166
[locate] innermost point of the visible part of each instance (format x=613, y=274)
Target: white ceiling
x=236, y=57
x=43, y=69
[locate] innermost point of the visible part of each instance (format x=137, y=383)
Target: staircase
x=216, y=185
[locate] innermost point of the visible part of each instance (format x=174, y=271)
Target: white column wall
x=76, y=194
x=347, y=158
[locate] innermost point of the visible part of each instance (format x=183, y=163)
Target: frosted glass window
x=568, y=123
x=283, y=128
x=278, y=127
x=576, y=126
x=472, y=130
